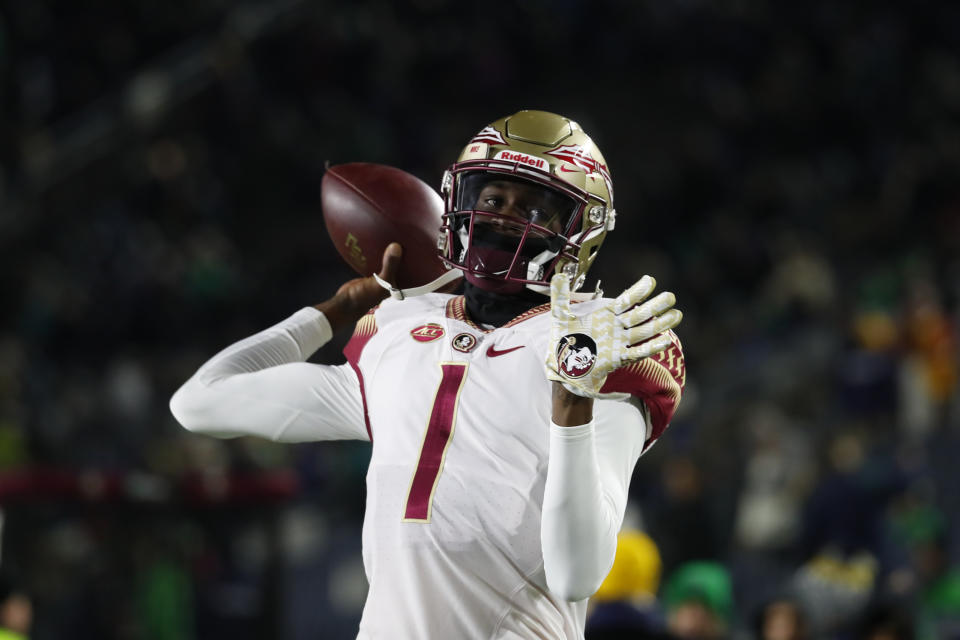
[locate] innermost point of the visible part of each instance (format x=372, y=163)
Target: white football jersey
x=462, y=515
x=459, y=419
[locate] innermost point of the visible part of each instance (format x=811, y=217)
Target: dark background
x=789, y=170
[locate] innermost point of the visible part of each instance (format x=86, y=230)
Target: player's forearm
x=580, y=523
x=588, y=479
x=292, y=340
x=201, y=405
x=358, y=296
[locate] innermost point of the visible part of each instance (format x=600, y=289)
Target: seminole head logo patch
x=464, y=342
x=576, y=355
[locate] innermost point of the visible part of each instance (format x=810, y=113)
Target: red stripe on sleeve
x=658, y=381
x=365, y=329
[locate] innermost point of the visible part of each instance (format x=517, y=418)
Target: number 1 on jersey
x=437, y=438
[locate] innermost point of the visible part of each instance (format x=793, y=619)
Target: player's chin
x=494, y=285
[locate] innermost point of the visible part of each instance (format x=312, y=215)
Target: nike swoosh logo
x=493, y=353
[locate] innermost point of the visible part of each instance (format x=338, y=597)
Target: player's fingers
x=560, y=296
x=646, y=349
x=647, y=310
x=635, y=294
x=391, y=262
x=658, y=324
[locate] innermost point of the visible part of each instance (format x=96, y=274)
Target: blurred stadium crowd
x=790, y=170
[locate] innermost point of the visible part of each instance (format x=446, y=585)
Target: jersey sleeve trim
x=658, y=381
x=365, y=329
x=363, y=400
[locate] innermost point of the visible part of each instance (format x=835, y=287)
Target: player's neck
x=497, y=309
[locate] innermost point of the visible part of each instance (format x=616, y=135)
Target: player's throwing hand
x=584, y=349
x=357, y=296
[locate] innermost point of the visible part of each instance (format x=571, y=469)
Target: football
x=367, y=206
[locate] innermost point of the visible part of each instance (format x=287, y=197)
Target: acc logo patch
x=576, y=355
x=427, y=332
x=464, y=342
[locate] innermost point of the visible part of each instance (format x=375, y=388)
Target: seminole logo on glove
x=585, y=347
x=576, y=355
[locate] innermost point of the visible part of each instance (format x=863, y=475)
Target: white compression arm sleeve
x=586, y=495
x=262, y=386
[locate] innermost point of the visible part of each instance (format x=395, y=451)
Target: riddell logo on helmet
x=522, y=158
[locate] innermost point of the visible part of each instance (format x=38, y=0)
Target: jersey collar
x=456, y=309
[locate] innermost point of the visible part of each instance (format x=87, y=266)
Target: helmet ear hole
x=596, y=215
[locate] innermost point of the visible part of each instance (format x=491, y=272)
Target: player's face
x=522, y=201
x=579, y=359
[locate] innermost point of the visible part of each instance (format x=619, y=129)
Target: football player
x=505, y=424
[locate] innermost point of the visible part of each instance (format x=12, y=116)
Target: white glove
x=585, y=349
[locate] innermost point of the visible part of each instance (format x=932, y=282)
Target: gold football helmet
x=529, y=195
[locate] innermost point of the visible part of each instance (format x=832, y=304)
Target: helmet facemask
x=505, y=231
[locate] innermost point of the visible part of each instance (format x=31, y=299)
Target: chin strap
x=430, y=287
